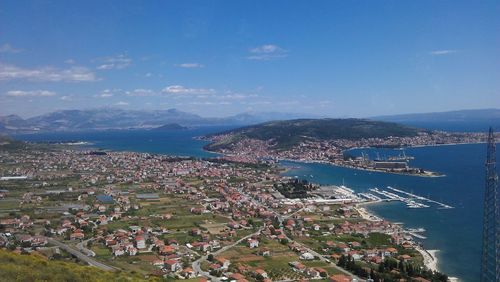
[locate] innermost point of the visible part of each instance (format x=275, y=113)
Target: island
x=170, y=126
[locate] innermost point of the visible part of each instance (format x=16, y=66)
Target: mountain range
x=113, y=118
x=462, y=120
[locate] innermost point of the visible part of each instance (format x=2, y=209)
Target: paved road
x=197, y=263
x=323, y=259
x=82, y=246
x=283, y=218
x=81, y=256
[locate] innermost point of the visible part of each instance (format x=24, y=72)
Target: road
x=82, y=246
x=80, y=255
x=323, y=259
x=197, y=263
x=283, y=218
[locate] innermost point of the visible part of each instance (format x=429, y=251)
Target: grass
x=135, y=264
x=378, y=240
x=277, y=264
x=102, y=251
x=181, y=237
x=14, y=267
x=9, y=204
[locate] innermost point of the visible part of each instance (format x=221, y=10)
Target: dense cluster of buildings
x=87, y=199
x=332, y=151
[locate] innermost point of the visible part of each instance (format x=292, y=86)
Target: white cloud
x=73, y=74
x=30, y=93
x=122, y=103
x=117, y=62
x=257, y=103
x=106, y=93
x=66, y=98
x=69, y=61
x=442, y=52
x=7, y=48
x=190, y=65
x=179, y=89
x=141, y=92
x=288, y=103
x=267, y=52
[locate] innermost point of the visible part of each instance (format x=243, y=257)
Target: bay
x=171, y=142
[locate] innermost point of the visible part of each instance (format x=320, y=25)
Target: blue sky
x=217, y=58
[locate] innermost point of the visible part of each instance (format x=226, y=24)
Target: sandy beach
x=367, y=215
x=430, y=258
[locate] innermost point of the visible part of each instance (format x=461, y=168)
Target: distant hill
x=170, y=126
x=463, y=120
x=113, y=118
x=8, y=143
x=291, y=132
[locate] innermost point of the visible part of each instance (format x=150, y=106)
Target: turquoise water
x=455, y=232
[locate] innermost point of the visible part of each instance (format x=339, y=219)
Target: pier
x=394, y=197
x=397, y=195
x=442, y=205
x=415, y=232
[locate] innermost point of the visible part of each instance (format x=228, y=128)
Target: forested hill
x=291, y=132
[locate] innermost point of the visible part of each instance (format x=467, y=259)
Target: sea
x=455, y=232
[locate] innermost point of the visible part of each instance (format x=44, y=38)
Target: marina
x=399, y=195
x=442, y=205
x=415, y=232
x=459, y=189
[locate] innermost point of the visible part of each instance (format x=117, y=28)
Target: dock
x=413, y=201
x=442, y=205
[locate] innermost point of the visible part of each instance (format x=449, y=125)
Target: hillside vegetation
x=15, y=267
x=291, y=132
x=7, y=143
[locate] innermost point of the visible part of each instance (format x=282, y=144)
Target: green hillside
x=290, y=132
x=15, y=267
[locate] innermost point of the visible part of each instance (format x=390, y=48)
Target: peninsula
x=328, y=140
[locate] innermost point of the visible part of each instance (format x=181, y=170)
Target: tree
x=342, y=261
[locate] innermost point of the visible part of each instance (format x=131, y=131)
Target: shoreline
x=429, y=174
x=430, y=258
x=365, y=214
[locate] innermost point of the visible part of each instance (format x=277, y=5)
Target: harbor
x=411, y=200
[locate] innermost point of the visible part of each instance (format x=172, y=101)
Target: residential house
x=172, y=265
x=223, y=262
x=253, y=243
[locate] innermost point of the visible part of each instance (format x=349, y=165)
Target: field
x=276, y=265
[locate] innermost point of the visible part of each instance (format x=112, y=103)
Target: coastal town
x=165, y=217
x=336, y=151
